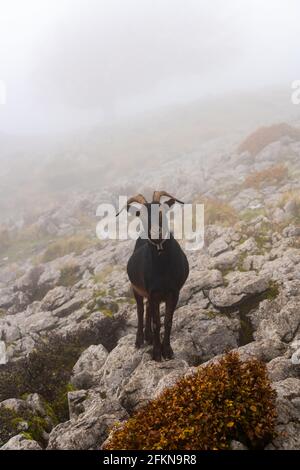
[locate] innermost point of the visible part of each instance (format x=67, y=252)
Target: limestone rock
x=55, y=298
x=145, y=380
x=288, y=421
x=20, y=442
x=90, y=429
x=88, y=366
x=120, y=364
x=241, y=285
x=217, y=247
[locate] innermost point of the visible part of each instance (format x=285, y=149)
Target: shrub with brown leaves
x=264, y=136
x=272, y=175
x=222, y=401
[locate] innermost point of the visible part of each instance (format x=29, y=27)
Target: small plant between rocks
x=223, y=401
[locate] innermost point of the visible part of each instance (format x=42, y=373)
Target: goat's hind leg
x=140, y=314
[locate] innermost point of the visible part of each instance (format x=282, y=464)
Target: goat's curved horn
x=157, y=195
x=139, y=198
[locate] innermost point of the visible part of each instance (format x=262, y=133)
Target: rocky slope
x=243, y=293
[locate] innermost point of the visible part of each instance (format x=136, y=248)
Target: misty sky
x=73, y=63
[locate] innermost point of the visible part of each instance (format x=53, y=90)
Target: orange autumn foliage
x=222, y=401
x=271, y=175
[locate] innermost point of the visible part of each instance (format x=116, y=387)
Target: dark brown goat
x=157, y=269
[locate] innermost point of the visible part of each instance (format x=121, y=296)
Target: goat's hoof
x=167, y=351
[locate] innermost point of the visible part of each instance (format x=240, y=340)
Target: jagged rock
x=198, y=281
x=212, y=232
x=28, y=282
x=12, y=301
x=222, y=297
x=254, y=262
x=274, y=322
x=198, y=298
x=145, y=381
x=68, y=307
x=88, y=366
x=288, y=420
x=185, y=349
x=75, y=402
x=55, y=298
x=217, y=247
x=7, y=297
x=15, y=404
x=36, y=322
x=248, y=245
x=245, y=198
x=120, y=364
x=199, y=335
x=90, y=429
x=295, y=359
x=282, y=265
x=37, y=404
x=20, y=302
x=20, y=442
x=224, y=261
x=292, y=288
x=264, y=350
x=49, y=278
x=281, y=368
x=22, y=347
x=10, y=333
x=241, y=286
x=247, y=282
x=291, y=231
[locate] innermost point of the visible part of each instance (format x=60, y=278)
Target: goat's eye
x=138, y=213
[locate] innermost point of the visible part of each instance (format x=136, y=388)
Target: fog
x=72, y=64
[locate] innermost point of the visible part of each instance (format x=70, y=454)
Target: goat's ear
x=172, y=201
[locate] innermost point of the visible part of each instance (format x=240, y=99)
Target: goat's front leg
x=155, y=314
x=148, y=326
x=171, y=303
x=140, y=313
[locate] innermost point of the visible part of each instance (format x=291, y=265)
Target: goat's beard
x=157, y=234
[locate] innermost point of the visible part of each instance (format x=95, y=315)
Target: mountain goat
x=157, y=270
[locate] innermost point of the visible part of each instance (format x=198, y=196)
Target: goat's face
x=155, y=222
x=153, y=215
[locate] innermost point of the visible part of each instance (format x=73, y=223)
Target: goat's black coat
x=157, y=276
x=158, y=272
